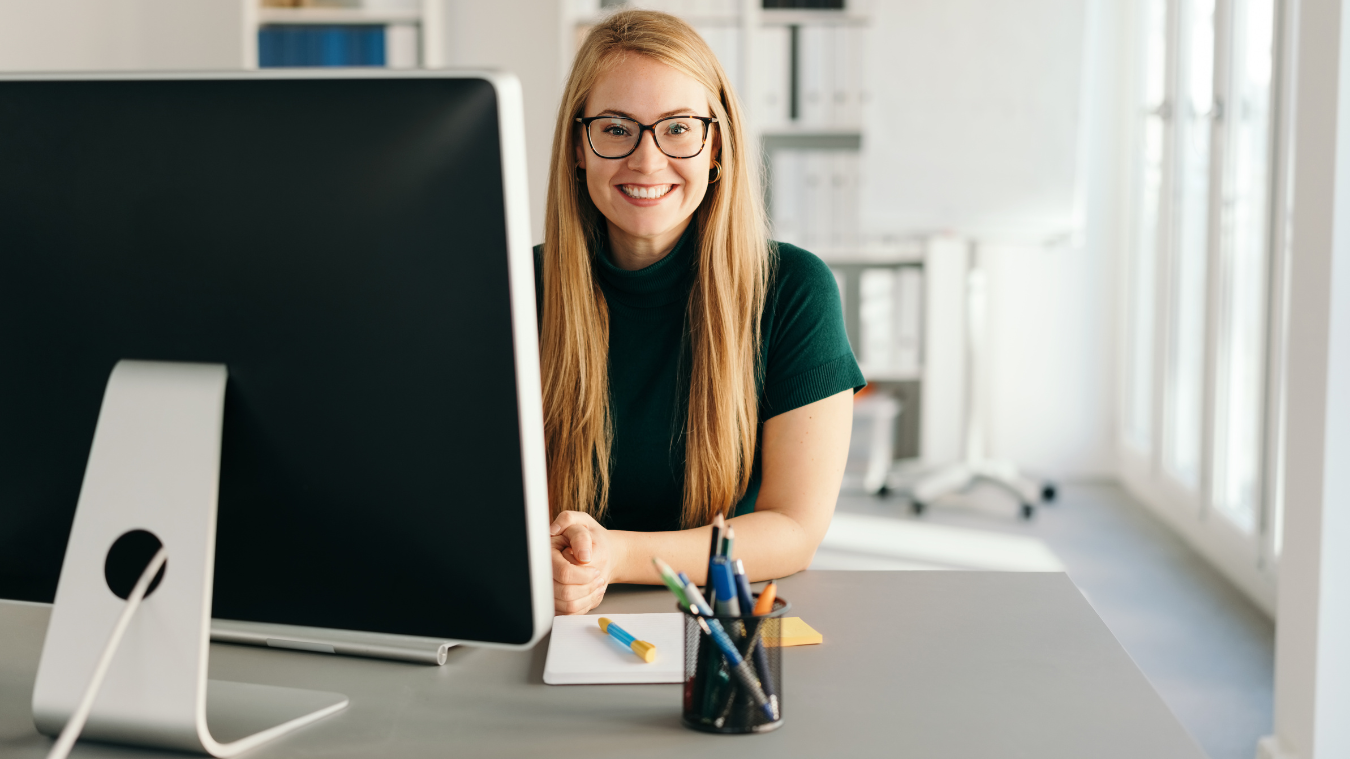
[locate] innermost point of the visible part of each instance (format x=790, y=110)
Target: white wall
x=1312, y=640
x=973, y=117
x=525, y=38
x=1051, y=328
x=112, y=35
x=1049, y=351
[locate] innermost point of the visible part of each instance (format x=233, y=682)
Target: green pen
x=671, y=581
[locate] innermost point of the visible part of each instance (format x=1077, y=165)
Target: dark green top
x=805, y=357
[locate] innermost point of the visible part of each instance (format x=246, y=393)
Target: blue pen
x=739, y=667
x=747, y=602
x=743, y=594
x=698, y=606
x=726, y=603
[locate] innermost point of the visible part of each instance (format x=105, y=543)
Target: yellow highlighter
x=645, y=651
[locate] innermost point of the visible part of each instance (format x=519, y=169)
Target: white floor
x=1208, y=651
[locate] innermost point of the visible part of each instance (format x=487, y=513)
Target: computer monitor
x=355, y=249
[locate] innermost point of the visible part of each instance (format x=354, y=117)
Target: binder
x=816, y=75
x=787, y=195
x=772, y=71
x=725, y=42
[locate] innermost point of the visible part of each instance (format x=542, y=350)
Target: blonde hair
x=725, y=304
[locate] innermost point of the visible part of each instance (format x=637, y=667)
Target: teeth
x=633, y=191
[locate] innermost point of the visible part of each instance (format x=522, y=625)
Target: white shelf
x=800, y=17
x=693, y=19
x=884, y=376
x=907, y=252
x=803, y=132
x=338, y=16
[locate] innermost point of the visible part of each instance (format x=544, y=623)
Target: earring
x=717, y=167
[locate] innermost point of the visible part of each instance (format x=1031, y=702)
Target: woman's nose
x=648, y=158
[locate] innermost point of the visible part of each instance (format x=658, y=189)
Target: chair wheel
x=918, y=507
x=883, y=492
x=1049, y=492
x=1028, y=511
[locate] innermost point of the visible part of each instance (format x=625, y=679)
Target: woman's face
x=648, y=196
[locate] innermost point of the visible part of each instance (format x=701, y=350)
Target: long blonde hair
x=725, y=304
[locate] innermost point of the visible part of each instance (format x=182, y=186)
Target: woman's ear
x=579, y=152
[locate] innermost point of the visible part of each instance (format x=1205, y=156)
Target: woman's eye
x=616, y=130
x=678, y=129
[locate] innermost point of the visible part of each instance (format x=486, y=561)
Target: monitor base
x=243, y=715
x=154, y=467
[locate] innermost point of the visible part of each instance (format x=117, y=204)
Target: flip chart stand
x=155, y=467
x=976, y=467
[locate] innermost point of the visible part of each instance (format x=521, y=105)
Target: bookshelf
x=406, y=33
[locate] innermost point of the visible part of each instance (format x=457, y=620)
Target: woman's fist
x=583, y=562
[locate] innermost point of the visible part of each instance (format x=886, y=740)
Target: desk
x=969, y=664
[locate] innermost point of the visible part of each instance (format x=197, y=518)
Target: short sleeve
x=807, y=356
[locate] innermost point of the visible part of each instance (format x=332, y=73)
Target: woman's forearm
x=772, y=544
x=804, y=451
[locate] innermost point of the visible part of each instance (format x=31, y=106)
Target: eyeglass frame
x=586, y=127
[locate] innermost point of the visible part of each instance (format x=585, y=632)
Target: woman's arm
x=802, y=453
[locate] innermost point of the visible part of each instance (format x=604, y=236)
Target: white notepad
x=580, y=653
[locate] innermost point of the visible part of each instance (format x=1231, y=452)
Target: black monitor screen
x=338, y=244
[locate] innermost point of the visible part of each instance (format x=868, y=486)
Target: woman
x=691, y=367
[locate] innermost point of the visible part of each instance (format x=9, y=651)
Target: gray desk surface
x=914, y=664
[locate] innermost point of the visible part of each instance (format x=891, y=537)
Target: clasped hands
x=585, y=558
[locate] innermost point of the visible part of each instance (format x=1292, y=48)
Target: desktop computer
x=350, y=251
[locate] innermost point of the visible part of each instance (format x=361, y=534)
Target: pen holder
x=717, y=697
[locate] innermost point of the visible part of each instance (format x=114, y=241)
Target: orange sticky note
x=794, y=632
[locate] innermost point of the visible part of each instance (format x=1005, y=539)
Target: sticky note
x=794, y=632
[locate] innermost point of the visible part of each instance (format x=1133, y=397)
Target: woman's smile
x=645, y=194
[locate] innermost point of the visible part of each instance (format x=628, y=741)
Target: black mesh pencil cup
x=742, y=693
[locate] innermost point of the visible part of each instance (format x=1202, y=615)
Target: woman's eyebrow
x=667, y=114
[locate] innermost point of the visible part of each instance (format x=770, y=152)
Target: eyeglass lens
x=616, y=137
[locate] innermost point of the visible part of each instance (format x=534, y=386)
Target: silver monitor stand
x=155, y=466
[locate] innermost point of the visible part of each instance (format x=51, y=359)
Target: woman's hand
x=584, y=559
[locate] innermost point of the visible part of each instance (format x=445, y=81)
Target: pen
x=719, y=526
x=644, y=650
x=755, y=628
x=719, y=571
x=766, y=597
x=671, y=581
x=747, y=600
x=728, y=541
x=762, y=668
x=704, y=690
x=739, y=666
x=696, y=602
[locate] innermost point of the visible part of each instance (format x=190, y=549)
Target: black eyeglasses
x=618, y=137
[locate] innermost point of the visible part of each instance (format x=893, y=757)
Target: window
x=1242, y=330
x=1198, y=271
x=1148, y=173
x=1195, y=111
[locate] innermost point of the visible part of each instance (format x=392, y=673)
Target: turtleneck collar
x=661, y=283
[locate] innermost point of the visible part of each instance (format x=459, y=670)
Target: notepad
x=580, y=653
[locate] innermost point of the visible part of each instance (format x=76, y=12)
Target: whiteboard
x=972, y=121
